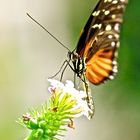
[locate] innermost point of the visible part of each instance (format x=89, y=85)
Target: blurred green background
x=28, y=56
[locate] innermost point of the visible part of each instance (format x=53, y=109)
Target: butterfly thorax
x=79, y=64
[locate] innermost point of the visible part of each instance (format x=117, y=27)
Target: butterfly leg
x=74, y=79
x=59, y=69
x=67, y=63
x=89, y=98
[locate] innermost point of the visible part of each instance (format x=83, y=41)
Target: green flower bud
x=33, y=124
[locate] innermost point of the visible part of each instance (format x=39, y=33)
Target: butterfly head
x=73, y=55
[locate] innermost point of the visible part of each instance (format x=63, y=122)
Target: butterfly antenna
x=47, y=31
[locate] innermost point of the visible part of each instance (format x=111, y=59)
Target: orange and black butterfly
x=95, y=55
x=94, y=58
x=96, y=50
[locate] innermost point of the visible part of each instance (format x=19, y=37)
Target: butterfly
x=94, y=58
x=96, y=51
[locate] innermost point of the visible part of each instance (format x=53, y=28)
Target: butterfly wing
x=100, y=39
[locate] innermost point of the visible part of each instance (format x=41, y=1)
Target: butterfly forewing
x=100, y=39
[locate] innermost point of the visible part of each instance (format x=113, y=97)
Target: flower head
x=65, y=104
x=73, y=95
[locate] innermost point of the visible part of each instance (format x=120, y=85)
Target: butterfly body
x=79, y=64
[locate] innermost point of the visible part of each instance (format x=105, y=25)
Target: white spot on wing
x=114, y=62
x=113, y=44
x=107, y=12
x=113, y=16
x=103, y=10
x=108, y=27
x=116, y=27
x=114, y=1
x=122, y=0
x=118, y=44
x=116, y=54
x=110, y=36
x=107, y=1
x=111, y=77
x=97, y=26
x=115, y=70
x=96, y=13
x=101, y=33
x=116, y=35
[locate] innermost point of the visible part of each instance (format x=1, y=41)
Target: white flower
x=73, y=95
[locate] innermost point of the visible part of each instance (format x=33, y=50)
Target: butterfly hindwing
x=100, y=39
